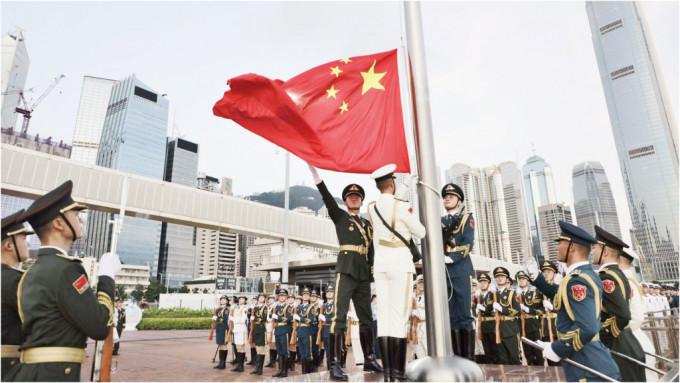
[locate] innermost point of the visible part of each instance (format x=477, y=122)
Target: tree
x=138, y=293
x=260, y=286
x=196, y=290
x=184, y=289
x=205, y=291
x=121, y=293
x=154, y=290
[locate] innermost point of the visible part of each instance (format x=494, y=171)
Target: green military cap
x=608, y=239
x=501, y=271
x=484, y=277
x=548, y=265
x=353, y=189
x=51, y=205
x=13, y=224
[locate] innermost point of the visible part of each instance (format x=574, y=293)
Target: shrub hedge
x=177, y=313
x=175, y=323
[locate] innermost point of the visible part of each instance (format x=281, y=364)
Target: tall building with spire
x=539, y=190
x=14, y=66
x=645, y=132
x=593, y=198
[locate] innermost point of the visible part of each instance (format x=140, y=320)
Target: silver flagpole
x=441, y=364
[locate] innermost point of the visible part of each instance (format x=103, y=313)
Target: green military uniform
x=533, y=300
x=260, y=313
x=58, y=309
x=508, y=350
x=488, y=324
x=548, y=317
x=11, y=322
x=120, y=325
x=616, y=313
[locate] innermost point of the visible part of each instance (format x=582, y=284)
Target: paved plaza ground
x=186, y=356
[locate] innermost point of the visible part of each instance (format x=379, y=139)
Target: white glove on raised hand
x=497, y=306
x=296, y=317
x=315, y=174
x=276, y=317
x=411, y=180
x=492, y=289
x=547, y=305
x=530, y=267
x=447, y=260
x=109, y=265
x=478, y=293
x=214, y=317
x=524, y=308
x=480, y=308
x=322, y=317
x=548, y=352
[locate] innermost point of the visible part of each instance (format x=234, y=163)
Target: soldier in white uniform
x=637, y=309
x=239, y=333
x=420, y=349
x=393, y=269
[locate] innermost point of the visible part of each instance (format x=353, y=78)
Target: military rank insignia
x=578, y=292
x=608, y=286
x=81, y=284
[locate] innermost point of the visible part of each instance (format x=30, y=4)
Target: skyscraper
x=133, y=140
x=494, y=196
x=14, y=66
x=94, y=102
x=177, y=247
x=549, y=227
x=644, y=132
x=539, y=190
x=593, y=199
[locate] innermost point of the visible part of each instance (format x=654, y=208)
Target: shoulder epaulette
x=70, y=258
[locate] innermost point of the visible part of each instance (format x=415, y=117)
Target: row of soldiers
x=659, y=298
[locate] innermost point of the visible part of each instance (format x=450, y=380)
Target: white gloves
x=352, y=315
x=547, y=305
x=447, y=260
x=415, y=313
x=109, y=265
x=322, y=317
x=492, y=289
x=480, y=308
x=530, y=267
x=252, y=317
x=296, y=317
x=411, y=180
x=524, y=308
x=231, y=319
x=276, y=317
x=497, y=306
x=315, y=174
x=214, y=317
x=548, y=352
x=478, y=293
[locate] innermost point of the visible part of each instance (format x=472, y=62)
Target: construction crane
x=26, y=110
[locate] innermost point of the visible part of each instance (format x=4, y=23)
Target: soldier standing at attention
x=283, y=318
x=259, y=318
x=271, y=304
x=577, y=301
x=458, y=233
x=485, y=306
x=221, y=319
x=353, y=274
x=120, y=323
x=14, y=251
x=394, y=268
x=253, y=351
x=532, y=306
x=508, y=307
x=315, y=329
x=239, y=332
x=305, y=317
x=614, y=331
x=327, y=315
x=292, y=346
x=57, y=309
x=548, y=322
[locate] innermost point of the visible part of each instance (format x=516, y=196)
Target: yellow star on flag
x=372, y=80
x=331, y=92
x=347, y=60
x=336, y=71
x=344, y=108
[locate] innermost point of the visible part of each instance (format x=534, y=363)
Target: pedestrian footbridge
x=30, y=174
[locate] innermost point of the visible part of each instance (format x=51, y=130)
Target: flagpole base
x=444, y=369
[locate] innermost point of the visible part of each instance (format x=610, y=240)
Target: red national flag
x=344, y=116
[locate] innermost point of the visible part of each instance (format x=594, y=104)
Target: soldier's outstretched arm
x=334, y=210
x=544, y=287
x=92, y=315
x=411, y=220
x=579, y=301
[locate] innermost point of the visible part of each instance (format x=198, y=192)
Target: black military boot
x=322, y=354
x=240, y=357
x=284, y=360
x=343, y=355
x=253, y=357
x=297, y=355
x=468, y=342
x=398, y=350
x=272, y=358
x=315, y=361
x=222, y=363
x=280, y=370
x=456, y=342
x=234, y=353
x=334, y=352
x=370, y=362
x=384, y=342
x=259, y=363
x=291, y=360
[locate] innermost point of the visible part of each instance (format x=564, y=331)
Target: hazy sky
x=502, y=75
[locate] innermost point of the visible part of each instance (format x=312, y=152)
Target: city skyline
x=518, y=117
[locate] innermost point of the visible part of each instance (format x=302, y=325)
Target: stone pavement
x=186, y=356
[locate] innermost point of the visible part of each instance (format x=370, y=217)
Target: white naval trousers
x=393, y=290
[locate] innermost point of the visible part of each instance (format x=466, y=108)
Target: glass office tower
x=645, y=134
x=593, y=199
x=539, y=190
